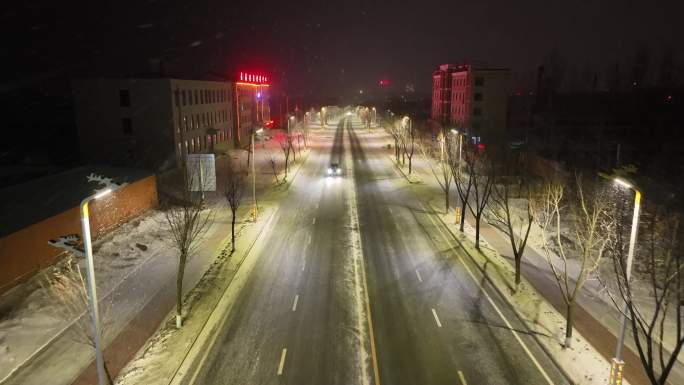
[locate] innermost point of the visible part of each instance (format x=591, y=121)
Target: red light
x=242, y=76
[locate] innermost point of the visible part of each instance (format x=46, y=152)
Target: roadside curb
x=407, y=177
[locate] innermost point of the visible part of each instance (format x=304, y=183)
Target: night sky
x=326, y=47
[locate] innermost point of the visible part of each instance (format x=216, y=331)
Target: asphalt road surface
x=409, y=309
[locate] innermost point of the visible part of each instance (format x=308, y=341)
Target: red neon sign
x=253, y=78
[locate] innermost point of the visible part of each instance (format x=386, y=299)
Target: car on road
x=334, y=170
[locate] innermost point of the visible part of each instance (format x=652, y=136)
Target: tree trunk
x=518, y=260
x=568, y=324
x=232, y=232
x=179, y=284
x=410, y=165
x=477, y=231
x=446, y=200
x=463, y=214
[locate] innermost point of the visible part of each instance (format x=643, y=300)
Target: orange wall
x=26, y=251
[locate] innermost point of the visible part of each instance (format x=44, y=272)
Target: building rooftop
x=24, y=204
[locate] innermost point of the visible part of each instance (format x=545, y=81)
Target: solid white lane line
x=489, y=299
x=420, y=279
x=294, y=305
x=282, y=362
x=462, y=378
x=434, y=313
x=313, y=222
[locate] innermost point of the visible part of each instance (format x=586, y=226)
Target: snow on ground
x=29, y=318
x=28, y=322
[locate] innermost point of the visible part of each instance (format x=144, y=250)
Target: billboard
x=201, y=170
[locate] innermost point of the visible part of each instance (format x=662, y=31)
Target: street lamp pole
x=91, y=285
x=254, y=171
x=617, y=365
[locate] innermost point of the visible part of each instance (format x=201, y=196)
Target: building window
x=479, y=81
x=196, y=97
x=127, y=126
x=177, y=97
x=477, y=97
x=124, y=98
x=477, y=111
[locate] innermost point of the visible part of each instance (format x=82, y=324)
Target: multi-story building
x=479, y=100
x=150, y=123
x=252, y=106
x=441, y=93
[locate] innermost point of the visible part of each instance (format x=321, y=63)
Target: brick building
x=472, y=99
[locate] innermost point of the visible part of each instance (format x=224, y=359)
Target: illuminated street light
x=618, y=363
x=69, y=243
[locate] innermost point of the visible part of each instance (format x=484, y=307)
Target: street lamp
x=259, y=131
x=617, y=365
x=69, y=243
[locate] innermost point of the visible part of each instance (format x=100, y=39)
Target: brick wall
x=26, y=252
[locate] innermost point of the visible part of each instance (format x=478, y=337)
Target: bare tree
x=654, y=296
x=66, y=287
x=515, y=222
x=187, y=222
x=481, y=170
x=440, y=166
x=286, y=146
x=395, y=133
x=462, y=180
x=274, y=165
x=512, y=221
x=586, y=215
x=233, y=190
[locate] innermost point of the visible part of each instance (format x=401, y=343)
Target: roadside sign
x=201, y=170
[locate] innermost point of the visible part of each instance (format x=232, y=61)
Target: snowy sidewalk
x=135, y=270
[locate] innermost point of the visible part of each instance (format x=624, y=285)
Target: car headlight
x=339, y=171
x=329, y=171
